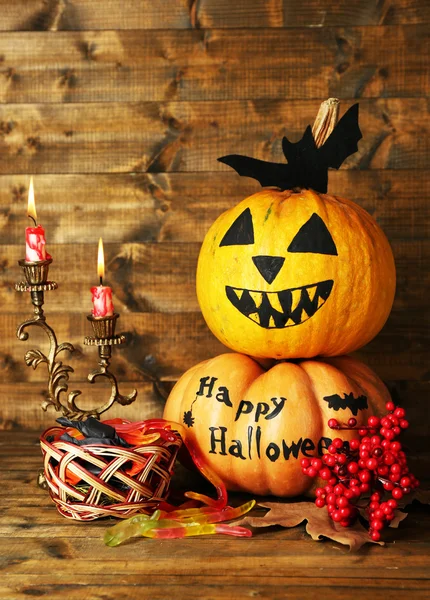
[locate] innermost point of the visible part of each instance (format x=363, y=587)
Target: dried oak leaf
x=421, y=496
x=319, y=524
x=399, y=516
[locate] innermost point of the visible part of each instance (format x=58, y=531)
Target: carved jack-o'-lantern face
x=295, y=275
x=280, y=308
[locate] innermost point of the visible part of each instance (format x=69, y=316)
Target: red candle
x=102, y=301
x=102, y=294
x=34, y=236
x=35, y=244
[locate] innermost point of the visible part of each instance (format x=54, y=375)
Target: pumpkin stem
x=325, y=121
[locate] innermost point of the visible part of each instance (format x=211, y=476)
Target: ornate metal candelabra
x=36, y=282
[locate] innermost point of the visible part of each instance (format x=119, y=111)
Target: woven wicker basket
x=112, y=492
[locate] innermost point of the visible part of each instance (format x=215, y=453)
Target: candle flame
x=101, y=260
x=31, y=206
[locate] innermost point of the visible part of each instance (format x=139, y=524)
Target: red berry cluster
x=371, y=466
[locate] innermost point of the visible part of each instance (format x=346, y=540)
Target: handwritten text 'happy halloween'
x=261, y=411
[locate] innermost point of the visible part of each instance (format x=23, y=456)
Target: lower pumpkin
x=254, y=425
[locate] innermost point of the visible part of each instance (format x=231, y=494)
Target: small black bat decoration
x=93, y=431
x=307, y=165
x=348, y=401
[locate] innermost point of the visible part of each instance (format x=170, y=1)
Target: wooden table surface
x=44, y=555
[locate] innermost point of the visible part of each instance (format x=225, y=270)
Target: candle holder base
x=23, y=286
x=35, y=273
x=116, y=340
x=103, y=327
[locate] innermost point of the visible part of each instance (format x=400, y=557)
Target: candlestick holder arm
x=104, y=345
x=58, y=373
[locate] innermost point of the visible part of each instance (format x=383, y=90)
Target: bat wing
x=266, y=173
x=89, y=428
x=303, y=150
x=334, y=401
x=342, y=141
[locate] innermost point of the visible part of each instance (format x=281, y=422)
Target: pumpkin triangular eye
x=314, y=237
x=241, y=231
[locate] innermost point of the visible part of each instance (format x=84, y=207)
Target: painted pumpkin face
x=287, y=275
x=253, y=426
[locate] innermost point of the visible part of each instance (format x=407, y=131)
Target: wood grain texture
x=21, y=404
x=180, y=207
x=44, y=555
x=54, y=15
x=190, y=136
x=217, y=64
x=219, y=589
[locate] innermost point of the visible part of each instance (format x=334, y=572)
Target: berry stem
x=393, y=483
x=346, y=428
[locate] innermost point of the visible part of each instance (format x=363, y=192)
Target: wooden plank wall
x=120, y=110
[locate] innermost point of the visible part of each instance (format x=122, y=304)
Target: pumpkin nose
x=268, y=266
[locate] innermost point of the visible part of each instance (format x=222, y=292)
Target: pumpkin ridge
x=312, y=385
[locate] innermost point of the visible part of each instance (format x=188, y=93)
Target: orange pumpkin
x=295, y=274
x=254, y=425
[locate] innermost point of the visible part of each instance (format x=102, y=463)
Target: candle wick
x=33, y=219
x=101, y=280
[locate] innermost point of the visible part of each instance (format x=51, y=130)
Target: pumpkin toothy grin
x=276, y=310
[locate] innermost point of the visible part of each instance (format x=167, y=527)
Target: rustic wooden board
x=53, y=15
x=21, y=403
x=214, y=65
x=180, y=207
x=190, y=136
x=166, y=343
x=220, y=588
x=192, y=556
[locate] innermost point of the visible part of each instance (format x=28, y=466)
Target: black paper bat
x=307, y=165
x=348, y=401
x=93, y=431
